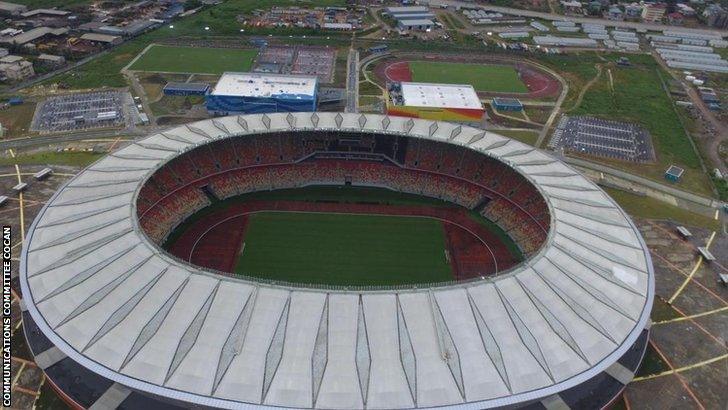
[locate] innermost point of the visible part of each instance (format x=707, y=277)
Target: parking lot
x=84, y=111
x=602, y=138
x=315, y=61
x=299, y=60
x=276, y=55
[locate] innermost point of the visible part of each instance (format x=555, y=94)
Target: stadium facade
x=248, y=93
x=442, y=102
x=116, y=322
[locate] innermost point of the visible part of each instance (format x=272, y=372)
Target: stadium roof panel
x=112, y=301
x=265, y=85
x=440, y=95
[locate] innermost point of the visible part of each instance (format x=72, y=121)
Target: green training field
x=493, y=78
x=194, y=60
x=339, y=249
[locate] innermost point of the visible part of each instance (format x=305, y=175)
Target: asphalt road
x=69, y=137
x=352, y=81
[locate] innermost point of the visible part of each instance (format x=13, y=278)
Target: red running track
x=397, y=71
x=540, y=84
x=211, y=243
x=214, y=241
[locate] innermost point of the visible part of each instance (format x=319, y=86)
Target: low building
x=45, y=13
x=16, y=71
x=507, y=104
x=184, y=89
x=571, y=6
x=402, y=11
x=447, y=102
x=716, y=16
x=338, y=26
x=685, y=10
x=412, y=17
x=12, y=9
x=33, y=35
x=138, y=27
x=262, y=93
x=103, y=39
x=419, y=25
x=674, y=173
x=633, y=11
x=11, y=59
x=51, y=60
x=653, y=13
x=594, y=7
x=10, y=31
x=615, y=13
x=675, y=19
x=91, y=26
x=110, y=30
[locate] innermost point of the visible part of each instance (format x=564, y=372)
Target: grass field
x=494, y=78
x=194, y=60
x=650, y=208
x=16, y=119
x=74, y=158
x=340, y=249
x=343, y=249
x=635, y=94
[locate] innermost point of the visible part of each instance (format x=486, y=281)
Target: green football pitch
x=338, y=249
x=493, y=78
x=194, y=60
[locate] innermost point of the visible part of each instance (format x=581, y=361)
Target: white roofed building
x=262, y=93
x=452, y=102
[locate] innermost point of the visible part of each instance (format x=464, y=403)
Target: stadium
x=330, y=260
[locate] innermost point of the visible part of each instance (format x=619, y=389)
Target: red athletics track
x=214, y=241
x=539, y=83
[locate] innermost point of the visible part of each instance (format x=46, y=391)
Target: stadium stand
x=115, y=321
x=284, y=160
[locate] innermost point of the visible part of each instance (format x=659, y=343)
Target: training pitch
x=344, y=249
x=491, y=78
x=194, y=60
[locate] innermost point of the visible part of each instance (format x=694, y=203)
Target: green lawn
x=494, y=78
x=73, y=158
x=637, y=96
x=16, y=119
x=194, y=60
x=338, y=249
x=650, y=208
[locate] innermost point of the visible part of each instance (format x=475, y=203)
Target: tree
x=670, y=6
x=192, y=4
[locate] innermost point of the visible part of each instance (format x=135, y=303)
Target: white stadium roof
x=113, y=302
x=440, y=95
x=264, y=85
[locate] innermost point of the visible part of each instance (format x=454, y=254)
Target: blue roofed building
x=251, y=93
x=507, y=104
